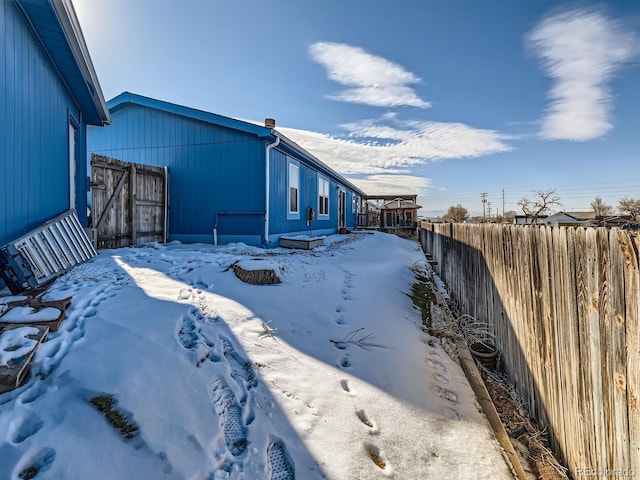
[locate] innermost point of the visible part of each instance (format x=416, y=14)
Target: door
x=342, y=209
x=72, y=164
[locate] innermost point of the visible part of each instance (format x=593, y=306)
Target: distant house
x=399, y=216
x=570, y=219
x=49, y=93
x=248, y=182
x=528, y=220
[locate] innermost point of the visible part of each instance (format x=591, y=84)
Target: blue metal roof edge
x=90, y=96
x=313, y=160
x=128, y=98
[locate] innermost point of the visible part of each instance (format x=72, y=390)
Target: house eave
x=56, y=25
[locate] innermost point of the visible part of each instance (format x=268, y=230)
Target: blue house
x=49, y=93
x=228, y=179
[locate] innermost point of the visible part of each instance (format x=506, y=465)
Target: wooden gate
x=129, y=202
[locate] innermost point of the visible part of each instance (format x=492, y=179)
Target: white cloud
x=392, y=184
x=580, y=50
x=389, y=145
x=370, y=79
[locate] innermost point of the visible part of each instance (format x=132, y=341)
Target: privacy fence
x=563, y=304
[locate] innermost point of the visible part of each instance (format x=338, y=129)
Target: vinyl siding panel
x=278, y=206
x=212, y=169
x=34, y=117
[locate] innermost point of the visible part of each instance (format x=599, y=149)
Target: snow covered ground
x=327, y=374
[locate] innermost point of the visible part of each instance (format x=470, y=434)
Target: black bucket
x=486, y=354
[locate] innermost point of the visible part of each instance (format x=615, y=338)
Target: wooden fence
x=564, y=307
x=129, y=202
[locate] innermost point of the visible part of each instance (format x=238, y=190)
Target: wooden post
x=630, y=245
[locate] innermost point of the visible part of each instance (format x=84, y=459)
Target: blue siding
x=212, y=170
x=35, y=106
x=278, y=206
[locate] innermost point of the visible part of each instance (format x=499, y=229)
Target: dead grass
x=375, y=457
x=104, y=403
x=515, y=418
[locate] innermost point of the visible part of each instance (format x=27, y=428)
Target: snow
x=5, y=301
x=30, y=315
x=258, y=264
x=303, y=237
x=328, y=373
x=14, y=344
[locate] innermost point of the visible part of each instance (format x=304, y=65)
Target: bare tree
x=601, y=210
x=456, y=213
x=543, y=201
x=631, y=207
x=509, y=216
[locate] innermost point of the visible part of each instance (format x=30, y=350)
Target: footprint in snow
x=377, y=456
x=344, y=362
x=441, y=379
x=345, y=385
x=279, y=463
x=451, y=414
x=33, y=463
x=189, y=338
x=30, y=425
x=446, y=394
x=230, y=416
x=364, y=418
x=436, y=365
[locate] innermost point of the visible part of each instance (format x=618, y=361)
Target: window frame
x=324, y=180
x=293, y=166
x=72, y=146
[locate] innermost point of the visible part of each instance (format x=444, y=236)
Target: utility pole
x=489, y=209
x=483, y=196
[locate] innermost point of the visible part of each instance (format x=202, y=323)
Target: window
x=294, y=190
x=72, y=162
x=353, y=203
x=323, y=196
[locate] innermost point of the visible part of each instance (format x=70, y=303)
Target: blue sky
x=447, y=99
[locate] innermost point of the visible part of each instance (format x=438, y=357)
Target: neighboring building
x=49, y=93
x=370, y=218
x=527, y=220
x=248, y=182
x=399, y=216
x=570, y=219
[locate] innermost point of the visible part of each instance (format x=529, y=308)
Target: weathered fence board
x=129, y=202
x=564, y=305
x=630, y=247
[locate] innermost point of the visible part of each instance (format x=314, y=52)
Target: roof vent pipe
x=270, y=123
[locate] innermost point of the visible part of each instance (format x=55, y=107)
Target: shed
x=49, y=93
x=399, y=216
x=245, y=182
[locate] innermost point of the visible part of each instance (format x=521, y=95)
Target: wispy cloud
x=392, y=184
x=370, y=79
x=390, y=145
x=580, y=50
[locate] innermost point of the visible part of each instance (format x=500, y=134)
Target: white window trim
x=73, y=161
x=324, y=216
x=291, y=215
x=353, y=202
